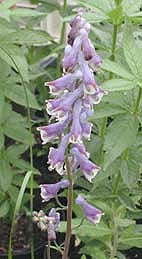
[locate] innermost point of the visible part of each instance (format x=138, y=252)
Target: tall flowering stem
x=75, y=94
x=69, y=210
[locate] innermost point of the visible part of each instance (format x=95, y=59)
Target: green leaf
x=4, y=208
x=130, y=168
x=6, y=175
x=18, y=132
x=24, y=12
x=106, y=110
x=116, y=69
x=14, y=56
x=118, y=85
x=131, y=6
x=87, y=229
x=16, y=93
x=132, y=236
x=120, y=135
x=133, y=54
x=26, y=37
x=1, y=137
x=102, y=5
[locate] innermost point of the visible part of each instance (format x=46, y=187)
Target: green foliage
x=26, y=55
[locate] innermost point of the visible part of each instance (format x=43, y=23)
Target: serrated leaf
x=118, y=85
x=130, y=168
x=26, y=37
x=131, y=6
x=120, y=135
x=133, y=54
x=25, y=12
x=105, y=110
x=132, y=236
x=1, y=137
x=117, y=69
x=16, y=93
x=4, y=208
x=87, y=229
x=14, y=56
x=18, y=132
x=6, y=175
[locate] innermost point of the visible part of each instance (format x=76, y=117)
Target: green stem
x=137, y=101
x=65, y=5
x=116, y=184
x=69, y=210
x=48, y=250
x=59, y=59
x=113, y=49
x=30, y=141
x=115, y=243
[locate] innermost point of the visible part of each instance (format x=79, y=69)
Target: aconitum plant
x=74, y=97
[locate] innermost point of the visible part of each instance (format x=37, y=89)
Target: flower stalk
x=69, y=210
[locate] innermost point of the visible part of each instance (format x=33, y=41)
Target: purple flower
x=59, y=107
x=95, y=62
x=71, y=57
x=97, y=96
x=56, y=156
x=88, y=168
x=76, y=129
x=53, y=130
x=90, y=84
x=87, y=46
x=86, y=126
x=66, y=82
x=54, y=221
x=49, y=191
x=91, y=213
x=81, y=149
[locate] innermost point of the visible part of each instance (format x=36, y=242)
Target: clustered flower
x=47, y=223
x=75, y=94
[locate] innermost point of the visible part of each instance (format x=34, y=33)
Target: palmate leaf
x=118, y=85
x=120, y=135
x=87, y=229
x=131, y=6
x=18, y=132
x=12, y=54
x=6, y=175
x=132, y=236
x=117, y=69
x=16, y=93
x=4, y=208
x=133, y=54
x=25, y=37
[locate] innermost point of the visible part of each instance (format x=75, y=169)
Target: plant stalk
x=137, y=101
x=48, y=250
x=69, y=210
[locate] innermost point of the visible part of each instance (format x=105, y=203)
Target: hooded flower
x=76, y=130
x=52, y=131
x=66, y=82
x=91, y=213
x=54, y=222
x=49, y=191
x=89, y=82
x=71, y=57
x=88, y=168
x=56, y=156
x=59, y=107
